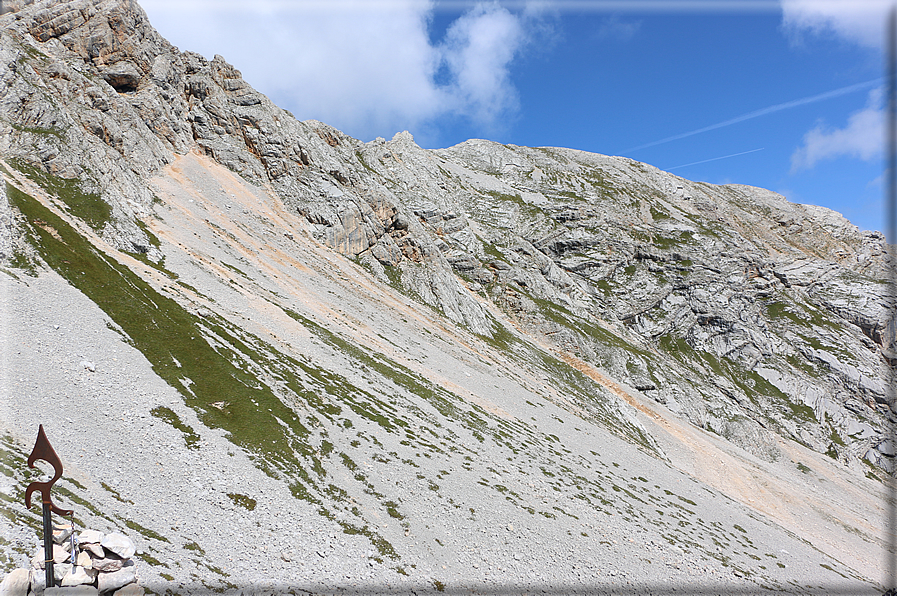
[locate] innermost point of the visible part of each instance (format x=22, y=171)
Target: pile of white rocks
x=103, y=565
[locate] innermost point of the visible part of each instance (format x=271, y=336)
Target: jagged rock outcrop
x=139, y=97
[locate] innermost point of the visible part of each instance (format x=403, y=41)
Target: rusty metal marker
x=44, y=451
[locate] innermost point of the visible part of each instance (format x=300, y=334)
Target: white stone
x=78, y=576
x=119, y=544
x=107, y=582
x=60, y=571
x=107, y=565
x=94, y=549
x=84, y=560
x=38, y=582
x=130, y=590
x=16, y=583
x=62, y=533
x=90, y=536
x=60, y=555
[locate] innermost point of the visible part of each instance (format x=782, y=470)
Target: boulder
x=84, y=560
x=107, y=564
x=60, y=571
x=62, y=533
x=119, y=544
x=78, y=576
x=90, y=536
x=16, y=583
x=38, y=582
x=109, y=582
x=94, y=549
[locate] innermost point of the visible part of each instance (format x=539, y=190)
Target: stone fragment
x=94, y=549
x=16, y=583
x=78, y=576
x=108, y=582
x=119, y=544
x=61, y=570
x=90, y=536
x=107, y=564
x=38, y=582
x=130, y=590
x=84, y=560
x=887, y=447
x=59, y=556
x=62, y=533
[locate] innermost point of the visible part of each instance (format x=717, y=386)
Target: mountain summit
x=287, y=359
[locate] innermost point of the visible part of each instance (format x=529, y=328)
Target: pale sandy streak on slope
x=758, y=485
x=284, y=268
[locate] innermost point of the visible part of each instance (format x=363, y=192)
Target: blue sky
x=781, y=94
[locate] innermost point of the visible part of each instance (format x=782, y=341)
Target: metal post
x=48, y=546
x=44, y=451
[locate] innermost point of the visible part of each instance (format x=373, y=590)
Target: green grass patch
x=168, y=415
x=39, y=130
x=21, y=260
x=247, y=503
x=663, y=242
x=658, y=214
x=491, y=250
x=194, y=547
x=145, y=532
x=88, y=207
x=115, y=494
x=151, y=560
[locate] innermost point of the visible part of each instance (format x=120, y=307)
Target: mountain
x=282, y=358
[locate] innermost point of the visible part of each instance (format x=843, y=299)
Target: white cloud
x=857, y=21
x=862, y=137
x=368, y=68
x=478, y=49
x=615, y=28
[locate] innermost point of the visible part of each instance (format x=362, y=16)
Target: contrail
x=694, y=163
x=764, y=111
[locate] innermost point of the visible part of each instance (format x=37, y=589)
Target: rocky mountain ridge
x=601, y=288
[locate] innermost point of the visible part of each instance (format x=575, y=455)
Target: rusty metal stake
x=44, y=451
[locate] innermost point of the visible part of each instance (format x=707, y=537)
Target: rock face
x=598, y=279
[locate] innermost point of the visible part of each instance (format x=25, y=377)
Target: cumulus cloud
x=369, y=68
x=857, y=21
x=479, y=48
x=862, y=137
